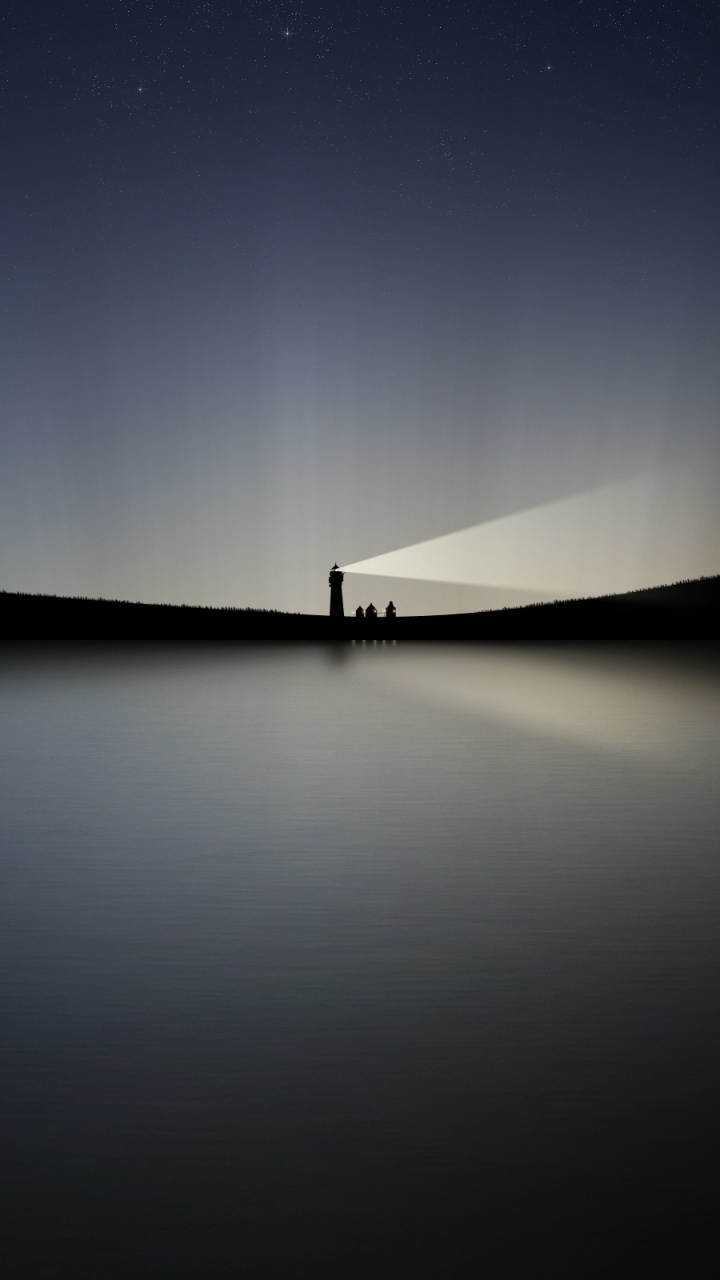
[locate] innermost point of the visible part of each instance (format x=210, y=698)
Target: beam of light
x=641, y=532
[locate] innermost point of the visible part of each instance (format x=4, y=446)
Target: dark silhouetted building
x=337, y=609
x=359, y=612
x=371, y=613
x=391, y=611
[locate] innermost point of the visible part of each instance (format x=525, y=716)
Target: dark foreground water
x=359, y=963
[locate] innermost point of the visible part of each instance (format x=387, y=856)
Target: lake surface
x=358, y=962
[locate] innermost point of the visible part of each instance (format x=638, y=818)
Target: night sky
x=284, y=285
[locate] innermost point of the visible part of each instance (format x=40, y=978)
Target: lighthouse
x=336, y=599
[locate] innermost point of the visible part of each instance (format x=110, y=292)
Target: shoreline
x=687, y=612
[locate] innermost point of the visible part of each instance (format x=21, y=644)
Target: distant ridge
x=684, y=611
x=52, y=619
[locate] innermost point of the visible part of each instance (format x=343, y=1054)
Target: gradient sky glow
x=284, y=285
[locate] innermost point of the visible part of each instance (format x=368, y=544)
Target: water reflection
x=639, y=702
x=356, y=962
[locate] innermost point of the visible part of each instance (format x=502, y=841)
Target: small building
x=391, y=611
x=359, y=612
x=371, y=613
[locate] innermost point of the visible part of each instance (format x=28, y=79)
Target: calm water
x=361, y=963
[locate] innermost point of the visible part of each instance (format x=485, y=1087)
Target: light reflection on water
x=314, y=954
x=629, y=701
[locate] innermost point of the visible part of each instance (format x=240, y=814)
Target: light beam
x=641, y=532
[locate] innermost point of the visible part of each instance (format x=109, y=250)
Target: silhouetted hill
x=49, y=619
x=685, y=611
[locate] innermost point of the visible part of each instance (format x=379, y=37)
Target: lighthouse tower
x=336, y=601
